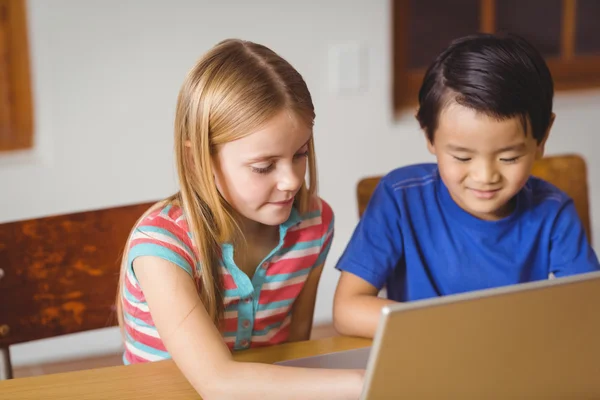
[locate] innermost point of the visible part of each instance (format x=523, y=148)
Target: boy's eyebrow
x=514, y=147
x=458, y=148
x=266, y=157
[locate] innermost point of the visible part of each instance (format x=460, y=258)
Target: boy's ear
x=430, y=146
x=542, y=145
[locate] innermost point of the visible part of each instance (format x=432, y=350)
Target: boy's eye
x=461, y=159
x=263, y=170
x=510, y=160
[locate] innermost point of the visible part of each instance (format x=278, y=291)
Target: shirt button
x=265, y=265
x=248, y=300
x=245, y=323
x=244, y=343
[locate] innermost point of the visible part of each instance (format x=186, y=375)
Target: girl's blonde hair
x=233, y=89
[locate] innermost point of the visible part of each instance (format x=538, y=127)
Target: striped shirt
x=258, y=310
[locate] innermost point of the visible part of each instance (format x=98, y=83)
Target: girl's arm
x=199, y=351
x=304, y=307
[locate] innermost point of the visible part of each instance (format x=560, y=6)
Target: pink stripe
x=169, y=226
x=137, y=313
x=285, y=293
x=326, y=214
x=134, y=290
x=303, y=235
x=228, y=282
x=175, y=212
x=142, y=240
x=280, y=336
x=291, y=265
x=133, y=359
x=144, y=339
x=263, y=323
x=229, y=324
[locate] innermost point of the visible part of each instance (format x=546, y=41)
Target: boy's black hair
x=502, y=76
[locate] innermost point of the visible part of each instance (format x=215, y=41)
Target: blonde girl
x=232, y=260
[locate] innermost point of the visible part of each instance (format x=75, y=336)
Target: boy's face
x=482, y=161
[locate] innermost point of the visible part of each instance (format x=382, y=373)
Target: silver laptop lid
x=533, y=340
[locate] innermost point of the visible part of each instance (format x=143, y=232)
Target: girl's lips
x=283, y=203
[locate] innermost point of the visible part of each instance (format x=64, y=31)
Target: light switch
x=347, y=67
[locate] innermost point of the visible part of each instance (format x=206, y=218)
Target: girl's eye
x=461, y=159
x=510, y=160
x=263, y=170
x=302, y=154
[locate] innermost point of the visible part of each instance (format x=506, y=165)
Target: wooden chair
x=567, y=172
x=59, y=274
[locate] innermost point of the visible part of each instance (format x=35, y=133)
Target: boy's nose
x=485, y=174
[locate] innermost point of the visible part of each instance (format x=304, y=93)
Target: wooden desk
x=158, y=380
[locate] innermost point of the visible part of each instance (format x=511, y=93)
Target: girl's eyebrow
x=266, y=157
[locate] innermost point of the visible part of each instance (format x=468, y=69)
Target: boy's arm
x=570, y=251
x=356, y=307
x=374, y=252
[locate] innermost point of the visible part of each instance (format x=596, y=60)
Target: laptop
x=531, y=340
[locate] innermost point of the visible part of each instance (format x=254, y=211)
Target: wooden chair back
x=59, y=274
x=567, y=172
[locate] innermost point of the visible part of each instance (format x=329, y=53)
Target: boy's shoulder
x=410, y=176
x=543, y=193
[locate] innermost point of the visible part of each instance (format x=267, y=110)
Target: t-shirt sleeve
x=160, y=236
x=328, y=222
x=375, y=247
x=570, y=251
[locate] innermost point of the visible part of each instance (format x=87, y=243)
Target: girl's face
x=260, y=174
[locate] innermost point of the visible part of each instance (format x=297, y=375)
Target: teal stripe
x=231, y=292
x=147, y=349
x=275, y=304
x=156, y=250
x=323, y=254
x=166, y=209
x=302, y=245
x=129, y=317
x=325, y=250
x=312, y=214
x=285, y=277
x=268, y=329
x=129, y=296
x=155, y=229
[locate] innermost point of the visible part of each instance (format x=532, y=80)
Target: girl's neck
x=256, y=242
x=253, y=231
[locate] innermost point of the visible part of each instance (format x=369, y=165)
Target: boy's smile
x=484, y=162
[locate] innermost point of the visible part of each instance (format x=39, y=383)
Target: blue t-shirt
x=414, y=239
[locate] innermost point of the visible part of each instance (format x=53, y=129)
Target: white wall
x=106, y=75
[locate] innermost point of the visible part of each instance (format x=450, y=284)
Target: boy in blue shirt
x=477, y=219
